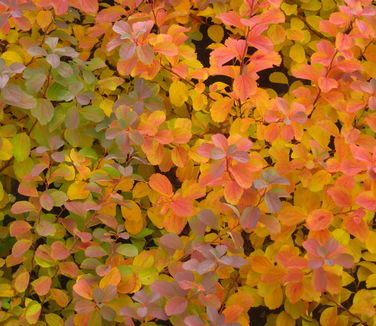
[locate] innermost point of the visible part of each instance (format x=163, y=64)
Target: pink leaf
x=18, y=228
x=176, y=306
x=171, y=241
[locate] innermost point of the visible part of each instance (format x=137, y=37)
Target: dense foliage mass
x=187, y=162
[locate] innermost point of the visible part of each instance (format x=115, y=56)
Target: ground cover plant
x=187, y=162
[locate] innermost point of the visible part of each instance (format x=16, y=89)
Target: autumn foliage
x=187, y=162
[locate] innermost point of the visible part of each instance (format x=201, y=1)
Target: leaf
x=329, y=317
x=161, y=184
x=18, y=228
x=57, y=92
x=220, y=109
x=127, y=250
x=319, y=219
x=249, y=218
x=176, y=306
x=83, y=289
x=297, y=53
x=33, y=311
x=113, y=277
x=216, y=33
x=77, y=190
x=21, y=282
x=207, y=217
x=20, y=247
x=273, y=202
x=14, y=95
x=22, y=207
x=43, y=111
x=178, y=93
x=366, y=199
x=244, y=87
x=42, y=285
x=54, y=320
x=89, y=6
x=21, y=146
x=171, y=242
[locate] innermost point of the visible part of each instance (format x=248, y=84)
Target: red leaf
x=171, y=241
x=176, y=306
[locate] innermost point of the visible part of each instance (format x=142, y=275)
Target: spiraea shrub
x=187, y=162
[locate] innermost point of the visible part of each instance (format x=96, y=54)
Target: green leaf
x=57, y=92
x=44, y=111
x=21, y=146
x=92, y=113
x=127, y=250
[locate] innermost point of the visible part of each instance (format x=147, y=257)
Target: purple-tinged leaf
x=272, y=202
x=234, y=261
x=171, y=242
x=14, y=95
x=345, y=260
x=240, y=156
x=249, y=218
x=207, y=217
x=36, y=51
x=193, y=320
x=53, y=59
x=165, y=289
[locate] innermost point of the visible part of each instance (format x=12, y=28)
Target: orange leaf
x=112, y=278
x=161, y=184
x=319, y=219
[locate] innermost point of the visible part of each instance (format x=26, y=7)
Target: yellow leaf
x=273, y=299
x=1, y=191
x=106, y=106
x=77, y=190
x=289, y=9
x=216, y=33
x=297, y=53
x=6, y=149
x=54, y=320
x=11, y=57
x=284, y=319
x=44, y=18
x=278, y=78
x=6, y=290
x=329, y=317
x=141, y=189
x=125, y=185
x=112, y=278
x=178, y=93
x=319, y=180
x=371, y=242
x=134, y=221
x=220, y=109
